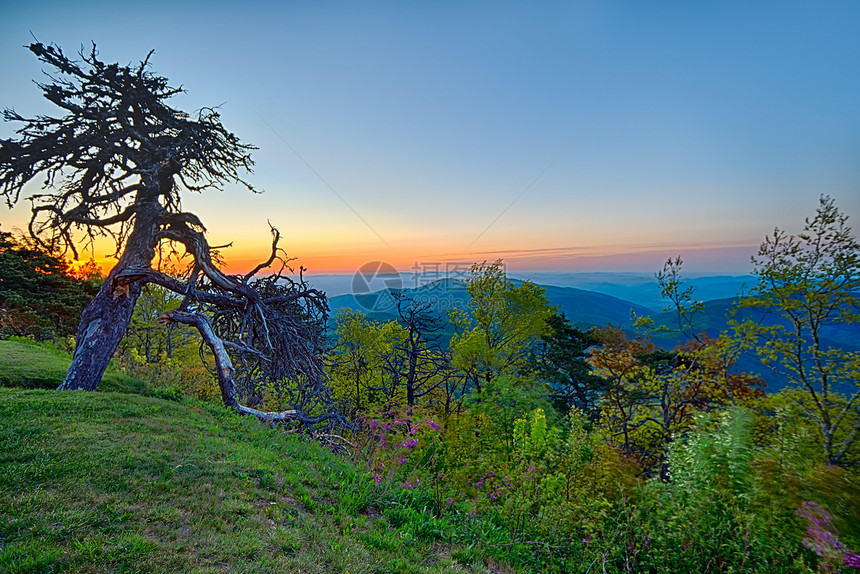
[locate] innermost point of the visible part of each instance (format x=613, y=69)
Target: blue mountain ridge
x=585, y=309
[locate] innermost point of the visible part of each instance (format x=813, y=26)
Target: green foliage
x=711, y=515
x=562, y=361
x=811, y=281
x=359, y=378
x=651, y=395
x=674, y=475
x=506, y=322
x=39, y=294
x=106, y=482
x=714, y=462
x=31, y=364
x=168, y=357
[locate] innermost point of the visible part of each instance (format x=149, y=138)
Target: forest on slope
x=501, y=427
x=499, y=430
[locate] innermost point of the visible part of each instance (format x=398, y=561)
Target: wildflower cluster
x=493, y=485
x=398, y=439
x=823, y=539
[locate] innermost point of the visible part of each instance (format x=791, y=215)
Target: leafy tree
x=698, y=375
x=39, y=295
x=710, y=363
x=562, y=361
x=146, y=335
x=359, y=357
x=617, y=359
x=811, y=281
x=396, y=363
x=115, y=162
x=680, y=297
x=505, y=324
x=167, y=356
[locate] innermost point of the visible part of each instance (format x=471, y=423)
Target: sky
x=559, y=136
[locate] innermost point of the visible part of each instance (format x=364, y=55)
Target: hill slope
x=109, y=482
x=40, y=366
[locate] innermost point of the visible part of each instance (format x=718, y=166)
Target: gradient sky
x=574, y=136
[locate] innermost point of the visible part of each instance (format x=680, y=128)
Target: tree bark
x=223, y=366
x=105, y=320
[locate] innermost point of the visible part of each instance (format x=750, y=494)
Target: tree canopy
x=811, y=281
x=40, y=295
x=115, y=162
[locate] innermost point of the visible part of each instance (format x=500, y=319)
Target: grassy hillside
x=112, y=482
x=41, y=366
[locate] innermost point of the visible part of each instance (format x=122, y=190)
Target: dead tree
x=115, y=162
x=427, y=364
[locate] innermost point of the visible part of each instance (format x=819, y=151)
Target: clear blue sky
x=569, y=136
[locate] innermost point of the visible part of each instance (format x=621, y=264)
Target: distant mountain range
x=583, y=308
x=642, y=288
x=594, y=307
x=638, y=288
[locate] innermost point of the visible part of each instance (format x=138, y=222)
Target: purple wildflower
x=823, y=538
x=433, y=425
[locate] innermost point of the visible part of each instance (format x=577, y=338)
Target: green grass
x=33, y=365
x=111, y=482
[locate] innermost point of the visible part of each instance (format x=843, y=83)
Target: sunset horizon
x=563, y=137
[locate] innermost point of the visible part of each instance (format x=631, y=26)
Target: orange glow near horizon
x=339, y=256
x=647, y=257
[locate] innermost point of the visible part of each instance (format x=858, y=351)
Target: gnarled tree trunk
x=105, y=320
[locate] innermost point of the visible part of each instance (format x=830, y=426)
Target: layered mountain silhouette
x=586, y=308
